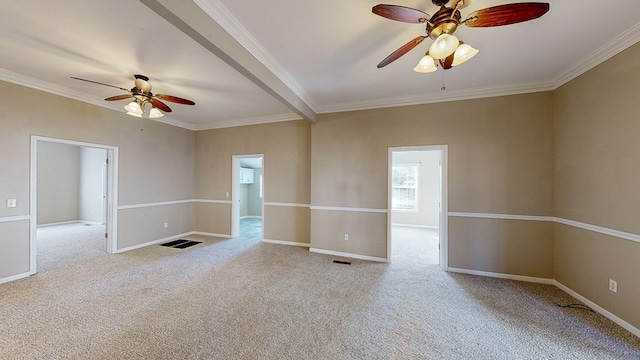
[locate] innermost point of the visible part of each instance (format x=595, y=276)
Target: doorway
x=417, y=203
x=247, y=196
x=73, y=199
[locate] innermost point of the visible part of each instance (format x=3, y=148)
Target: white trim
x=600, y=55
x=351, y=209
x=153, y=242
x=112, y=198
x=289, y=243
x=347, y=255
x=162, y=203
x=15, y=277
x=211, y=201
x=443, y=223
x=14, y=218
x=250, y=217
x=632, y=329
x=595, y=228
x=287, y=204
x=502, y=276
x=223, y=17
x=33, y=83
x=226, y=236
x=58, y=223
x=432, y=227
x=501, y=216
x=600, y=229
x=248, y=121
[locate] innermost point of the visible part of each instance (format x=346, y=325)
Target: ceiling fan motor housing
x=445, y=21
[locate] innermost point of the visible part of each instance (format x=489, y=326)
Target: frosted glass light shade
x=155, y=113
x=426, y=65
x=134, y=114
x=133, y=107
x=444, y=46
x=463, y=53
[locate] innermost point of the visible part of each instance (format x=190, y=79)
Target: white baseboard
x=169, y=238
x=59, y=223
x=632, y=329
x=226, y=236
x=290, y=243
x=503, y=276
x=347, y=255
x=15, y=277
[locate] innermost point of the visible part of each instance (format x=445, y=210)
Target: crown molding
x=444, y=96
x=248, y=121
x=600, y=55
x=223, y=17
x=37, y=84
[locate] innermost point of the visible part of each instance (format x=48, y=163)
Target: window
x=405, y=187
x=260, y=186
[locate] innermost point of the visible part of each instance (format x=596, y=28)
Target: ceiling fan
x=141, y=94
x=447, y=49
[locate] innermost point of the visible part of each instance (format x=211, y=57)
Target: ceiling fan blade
x=401, y=51
x=174, y=99
x=401, y=13
x=119, y=97
x=506, y=14
x=99, y=83
x=461, y=4
x=159, y=104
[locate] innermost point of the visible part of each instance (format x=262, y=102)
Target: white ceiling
x=287, y=58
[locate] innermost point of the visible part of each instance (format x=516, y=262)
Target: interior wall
x=91, y=183
x=596, y=182
x=244, y=200
x=286, y=149
x=58, y=183
x=155, y=165
x=428, y=211
x=254, y=206
x=500, y=162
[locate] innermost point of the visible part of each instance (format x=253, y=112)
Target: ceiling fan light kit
x=142, y=95
x=446, y=48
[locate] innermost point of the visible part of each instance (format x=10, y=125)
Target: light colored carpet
x=242, y=299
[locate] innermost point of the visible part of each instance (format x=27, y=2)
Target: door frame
x=111, y=226
x=444, y=208
x=235, y=193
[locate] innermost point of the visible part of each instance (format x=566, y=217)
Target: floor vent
x=181, y=244
x=342, y=262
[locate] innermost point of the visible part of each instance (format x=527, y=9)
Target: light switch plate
x=11, y=203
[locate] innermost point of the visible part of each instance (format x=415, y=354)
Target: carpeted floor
x=243, y=299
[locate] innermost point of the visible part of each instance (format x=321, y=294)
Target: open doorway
x=417, y=205
x=72, y=201
x=247, y=197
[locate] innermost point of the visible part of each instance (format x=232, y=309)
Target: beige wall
x=597, y=177
x=500, y=161
x=286, y=171
x=156, y=164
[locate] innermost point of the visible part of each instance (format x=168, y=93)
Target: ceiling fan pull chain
x=443, y=88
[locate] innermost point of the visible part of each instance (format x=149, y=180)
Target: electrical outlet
x=613, y=286
x=346, y=236
x=166, y=225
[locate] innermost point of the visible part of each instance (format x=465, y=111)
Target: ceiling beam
x=195, y=23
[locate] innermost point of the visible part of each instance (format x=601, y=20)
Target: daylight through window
x=405, y=187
